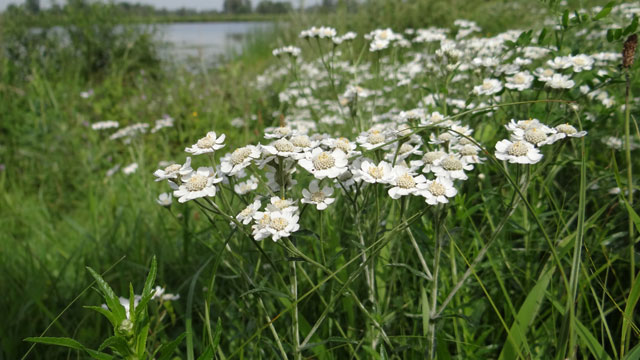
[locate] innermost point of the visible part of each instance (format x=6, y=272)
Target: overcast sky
x=170, y=4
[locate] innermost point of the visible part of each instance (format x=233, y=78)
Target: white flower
x=438, y=190
x=164, y=199
x=275, y=224
x=197, y=184
x=279, y=204
x=101, y=125
x=172, y=171
x=544, y=74
x=162, y=123
x=232, y=163
x=520, y=81
x=159, y=293
x=564, y=131
x=284, y=148
x=245, y=216
x=560, y=62
x=428, y=160
x=488, y=87
x=519, y=152
x=372, y=139
x=317, y=196
x=323, y=164
x=469, y=153
x=451, y=166
x=514, y=126
x=207, y=144
x=581, y=62
x=404, y=151
x=130, y=169
x=290, y=50
x=559, y=81
x=277, y=132
x=343, y=144
x=537, y=135
x=245, y=187
x=368, y=172
x=404, y=183
x=378, y=45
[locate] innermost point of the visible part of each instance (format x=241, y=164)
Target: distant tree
x=273, y=7
x=237, y=6
x=32, y=6
x=328, y=4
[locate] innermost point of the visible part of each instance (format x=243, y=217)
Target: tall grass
x=528, y=263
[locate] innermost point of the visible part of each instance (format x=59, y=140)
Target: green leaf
x=592, y=343
x=207, y=354
x=632, y=27
x=109, y=296
x=151, y=278
x=634, y=354
x=141, y=340
x=117, y=343
x=217, y=336
x=383, y=352
x=70, y=343
x=104, y=312
x=526, y=315
x=412, y=270
x=543, y=34
x=332, y=339
x=565, y=19
x=167, y=349
x=605, y=11
x=631, y=303
x=610, y=35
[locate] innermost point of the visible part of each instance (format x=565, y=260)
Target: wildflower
x=317, y=196
x=277, y=132
x=581, y=62
x=451, y=166
x=559, y=81
x=560, y=62
x=324, y=164
x=378, y=45
x=280, y=204
x=207, y=144
x=159, y=293
x=564, y=131
x=284, y=148
x=520, y=81
x=402, y=152
x=381, y=173
x=102, y=125
x=519, y=152
x=537, y=135
x=172, y=171
x=428, y=160
x=289, y=50
x=245, y=216
x=197, y=184
x=488, y=87
x=245, y=187
x=469, y=153
x=162, y=123
x=275, y=224
x=544, y=74
x=371, y=139
x=404, y=183
x=164, y=199
x=438, y=190
x=130, y=169
x=232, y=163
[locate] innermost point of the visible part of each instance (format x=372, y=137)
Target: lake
x=210, y=41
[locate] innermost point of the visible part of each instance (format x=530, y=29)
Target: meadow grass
x=524, y=262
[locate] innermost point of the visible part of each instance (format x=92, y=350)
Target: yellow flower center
x=451, y=164
x=196, y=183
x=324, y=161
x=437, y=189
x=283, y=145
x=279, y=223
x=239, y=155
x=406, y=181
x=172, y=168
x=518, y=148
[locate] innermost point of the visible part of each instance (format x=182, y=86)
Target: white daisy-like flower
x=289, y=50
x=378, y=45
x=520, y=81
x=428, y=160
x=372, y=139
x=247, y=186
x=343, y=144
x=469, y=153
x=564, y=131
x=560, y=62
x=518, y=152
x=234, y=162
x=164, y=199
x=404, y=151
x=172, y=171
x=559, y=81
x=276, y=225
x=544, y=74
x=451, y=166
x=102, y=125
x=197, y=184
x=371, y=173
x=319, y=197
x=277, y=132
x=207, y=144
x=404, y=183
x=130, y=169
x=283, y=148
x=537, y=135
x=488, y=87
x=279, y=204
x=438, y=191
x=246, y=215
x=324, y=164
x=303, y=142
x=581, y=62
x=514, y=125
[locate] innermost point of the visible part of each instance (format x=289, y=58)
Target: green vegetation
x=526, y=261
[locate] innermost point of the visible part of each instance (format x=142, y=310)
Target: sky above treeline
x=169, y=4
